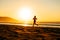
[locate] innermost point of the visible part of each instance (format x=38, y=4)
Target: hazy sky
x=45, y=10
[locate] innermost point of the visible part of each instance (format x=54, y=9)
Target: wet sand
x=16, y=32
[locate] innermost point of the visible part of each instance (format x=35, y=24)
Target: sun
x=25, y=13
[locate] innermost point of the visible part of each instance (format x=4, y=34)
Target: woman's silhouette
x=34, y=20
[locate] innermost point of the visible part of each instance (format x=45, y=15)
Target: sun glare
x=25, y=13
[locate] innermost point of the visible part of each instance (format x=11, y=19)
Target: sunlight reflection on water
x=27, y=25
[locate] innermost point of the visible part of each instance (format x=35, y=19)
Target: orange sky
x=45, y=10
